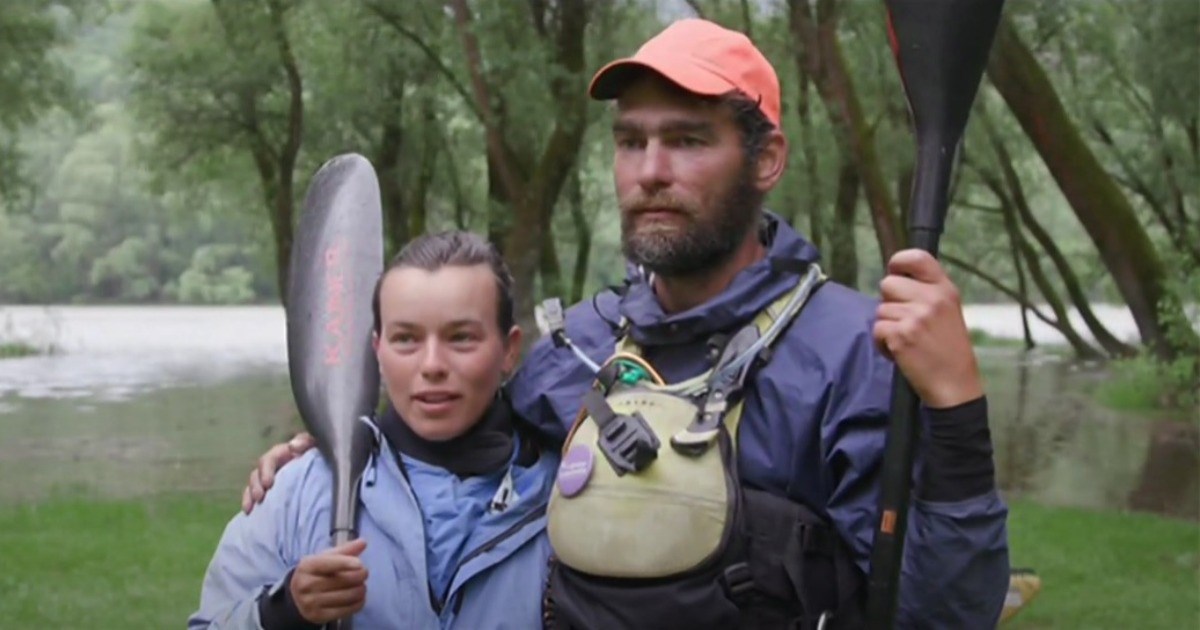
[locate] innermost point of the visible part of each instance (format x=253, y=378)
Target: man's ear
x=772, y=162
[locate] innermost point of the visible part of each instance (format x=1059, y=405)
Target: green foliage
x=16, y=350
x=1149, y=382
x=213, y=278
x=181, y=103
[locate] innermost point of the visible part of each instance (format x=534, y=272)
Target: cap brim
x=613, y=78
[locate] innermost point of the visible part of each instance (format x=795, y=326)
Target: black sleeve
x=278, y=611
x=958, y=453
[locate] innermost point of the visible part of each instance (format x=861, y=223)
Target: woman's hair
x=458, y=249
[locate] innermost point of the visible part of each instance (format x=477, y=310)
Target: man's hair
x=454, y=249
x=752, y=124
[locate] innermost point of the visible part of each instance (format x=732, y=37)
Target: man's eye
x=629, y=143
x=462, y=337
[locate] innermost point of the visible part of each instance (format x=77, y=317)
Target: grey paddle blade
x=336, y=259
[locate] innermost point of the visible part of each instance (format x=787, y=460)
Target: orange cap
x=702, y=58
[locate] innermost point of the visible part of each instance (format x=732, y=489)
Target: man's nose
x=655, y=171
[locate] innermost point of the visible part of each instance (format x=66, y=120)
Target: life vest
x=650, y=524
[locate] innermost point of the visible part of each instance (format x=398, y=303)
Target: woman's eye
x=402, y=338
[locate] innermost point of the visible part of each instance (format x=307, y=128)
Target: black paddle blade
x=941, y=49
x=336, y=259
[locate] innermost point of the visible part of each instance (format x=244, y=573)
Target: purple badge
x=575, y=470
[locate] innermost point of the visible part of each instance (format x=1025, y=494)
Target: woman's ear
x=375, y=341
x=512, y=349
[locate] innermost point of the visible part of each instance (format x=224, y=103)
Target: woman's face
x=440, y=349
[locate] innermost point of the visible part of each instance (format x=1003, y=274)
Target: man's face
x=686, y=193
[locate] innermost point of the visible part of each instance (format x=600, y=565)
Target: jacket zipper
x=488, y=546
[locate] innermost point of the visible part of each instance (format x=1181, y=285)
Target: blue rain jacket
x=500, y=573
x=813, y=427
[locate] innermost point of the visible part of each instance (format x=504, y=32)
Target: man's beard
x=703, y=244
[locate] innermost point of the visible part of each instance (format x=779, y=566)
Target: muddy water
x=146, y=400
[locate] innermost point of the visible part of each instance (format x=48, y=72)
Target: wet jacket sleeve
x=955, y=568
x=251, y=561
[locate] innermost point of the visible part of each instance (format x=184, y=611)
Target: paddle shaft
x=931, y=181
x=941, y=48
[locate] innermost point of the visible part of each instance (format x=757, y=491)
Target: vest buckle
x=738, y=583
x=628, y=443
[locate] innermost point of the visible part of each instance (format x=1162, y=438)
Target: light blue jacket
x=498, y=583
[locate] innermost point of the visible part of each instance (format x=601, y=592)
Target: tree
x=237, y=95
x=1099, y=204
x=32, y=80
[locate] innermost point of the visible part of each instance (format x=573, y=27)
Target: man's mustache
x=636, y=203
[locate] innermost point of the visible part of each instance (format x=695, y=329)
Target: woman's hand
x=332, y=584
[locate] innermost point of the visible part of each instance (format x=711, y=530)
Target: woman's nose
x=433, y=361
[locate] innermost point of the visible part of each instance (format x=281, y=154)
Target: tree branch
x=497, y=147
x=432, y=55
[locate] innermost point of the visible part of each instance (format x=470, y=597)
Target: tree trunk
x=1016, y=194
x=550, y=269
x=419, y=198
x=808, y=148
x=1082, y=348
x=391, y=193
x=533, y=195
x=1013, y=232
x=819, y=51
x=843, y=254
x=583, y=236
x=1103, y=210
x=290, y=149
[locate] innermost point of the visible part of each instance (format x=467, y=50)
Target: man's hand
x=331, y=585
x=263, y=475
x=920, y=326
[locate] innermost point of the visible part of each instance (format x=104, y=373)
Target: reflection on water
x=1055, y=445
x=147, y=400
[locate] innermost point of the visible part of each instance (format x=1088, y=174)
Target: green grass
x=1106, y=570
x=72, y=562
x=16, y=349
x=81, y=563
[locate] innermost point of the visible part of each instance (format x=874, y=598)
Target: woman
x=452, y=530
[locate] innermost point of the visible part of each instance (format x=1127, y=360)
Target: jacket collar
x=485, y=448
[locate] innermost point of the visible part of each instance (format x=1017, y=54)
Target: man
x=698, y=145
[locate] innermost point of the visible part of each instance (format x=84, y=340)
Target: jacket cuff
x=278, y=611
x=958, y=453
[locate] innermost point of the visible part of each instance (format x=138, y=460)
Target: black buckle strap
x=738, y=582
x=627, y=442
x=817, y=539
